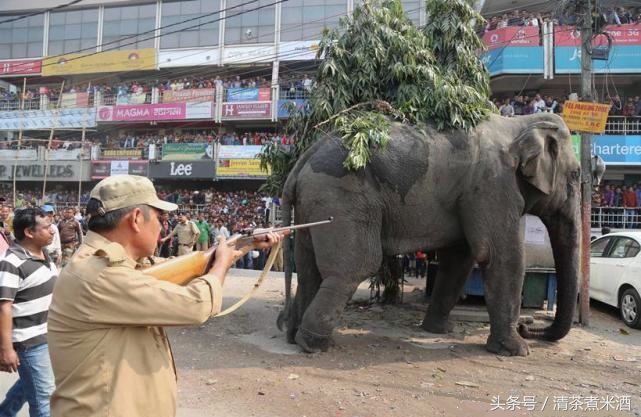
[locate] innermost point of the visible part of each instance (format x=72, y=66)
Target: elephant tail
x=289, y=196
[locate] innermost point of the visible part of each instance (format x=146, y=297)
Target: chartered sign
x=57, y=171
x=182, y=169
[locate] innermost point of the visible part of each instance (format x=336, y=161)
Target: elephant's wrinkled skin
x=459, y=193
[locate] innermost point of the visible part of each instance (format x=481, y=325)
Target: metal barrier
x=616, y=217
x=622, y=125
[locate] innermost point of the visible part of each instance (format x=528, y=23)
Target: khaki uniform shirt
x=186, y=233
x=108, y=354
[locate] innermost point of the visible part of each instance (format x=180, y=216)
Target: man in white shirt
x=55, y=248
x=539, y=104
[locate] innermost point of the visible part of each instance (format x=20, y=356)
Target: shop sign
x=20, y=67
x=120, y=154
x=182, y=169
x=104, y=169
x=108, y=61
x=155, y=112
x=189, y=95
x=187, y=151
x=248, y=94
x=253, y=110
x=240, y=168
x=36, y=172
x=512, y=36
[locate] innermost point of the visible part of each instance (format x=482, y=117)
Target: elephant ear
x=536, y=150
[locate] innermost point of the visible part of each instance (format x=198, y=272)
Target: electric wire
x=28, y=15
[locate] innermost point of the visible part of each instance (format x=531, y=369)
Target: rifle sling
x=261, y=279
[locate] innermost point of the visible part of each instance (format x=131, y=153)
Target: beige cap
x=122, y=191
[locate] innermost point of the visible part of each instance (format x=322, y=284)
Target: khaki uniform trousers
x=185, y=249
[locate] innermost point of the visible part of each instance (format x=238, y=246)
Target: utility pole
x=584, y=7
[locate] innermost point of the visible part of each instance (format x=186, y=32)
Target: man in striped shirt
x=27, y=276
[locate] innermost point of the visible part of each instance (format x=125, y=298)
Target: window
x=624, y=248
x=127, y=22
x=22, y=38
x=306, y=19
x=412, y=9
x=72, y=31
x=598, y=247
x=202, y=31
x=243, y=26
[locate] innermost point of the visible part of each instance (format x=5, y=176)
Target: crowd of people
x=608, y=16
x=215, y=211
x=293, y=86
x=529, y=104
x=521, y=105
x=617, y=205
x=133, y=140
x=629, y=107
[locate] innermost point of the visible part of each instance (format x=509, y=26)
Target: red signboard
x=251, y=110
x=21, y=67
x=193, y=94
x=153, y=112
x=512, y=36
x=629, y=34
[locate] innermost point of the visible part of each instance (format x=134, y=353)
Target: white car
x=615, y=274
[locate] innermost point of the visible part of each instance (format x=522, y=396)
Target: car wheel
x=630, y=306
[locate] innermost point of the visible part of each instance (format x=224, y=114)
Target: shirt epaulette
x=115, y=254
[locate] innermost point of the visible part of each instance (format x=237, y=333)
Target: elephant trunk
x=564, y=236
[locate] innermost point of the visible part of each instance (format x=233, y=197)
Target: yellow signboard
x=240, y=168
x=585, y=117
x=110, y=61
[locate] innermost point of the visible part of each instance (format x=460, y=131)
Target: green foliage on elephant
x=376, y=66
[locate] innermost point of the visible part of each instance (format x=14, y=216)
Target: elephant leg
x=309, y=280
x=342, y=270
x=454, y=267
x=503, y=277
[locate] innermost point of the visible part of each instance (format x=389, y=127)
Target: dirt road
x=385, y=365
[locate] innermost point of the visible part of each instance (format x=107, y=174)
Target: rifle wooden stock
x=184, y=268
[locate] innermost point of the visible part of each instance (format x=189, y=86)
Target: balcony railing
x=616, y=217
x=621, y=125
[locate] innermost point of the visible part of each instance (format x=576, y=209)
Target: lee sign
x=182, y=169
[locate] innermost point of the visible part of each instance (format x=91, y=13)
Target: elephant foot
x=291, y=334
x=312, y=342
x=510, y=345
x=440, y=326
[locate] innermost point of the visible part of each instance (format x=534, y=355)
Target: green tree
x=377, y=67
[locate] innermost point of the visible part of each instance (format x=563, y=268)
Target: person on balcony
x=629, y=108
x=630, y=204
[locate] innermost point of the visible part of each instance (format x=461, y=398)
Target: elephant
x=461, y=193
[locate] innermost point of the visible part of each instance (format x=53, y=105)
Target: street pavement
x=7, y=380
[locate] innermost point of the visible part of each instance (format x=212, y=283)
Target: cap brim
x=163, y=205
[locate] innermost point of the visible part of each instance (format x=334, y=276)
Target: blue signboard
x=248, y=94
x=618, y=149
x=623, y=59
x=283, y=107
x=514, y=60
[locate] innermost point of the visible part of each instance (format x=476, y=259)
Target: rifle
x=184, y=268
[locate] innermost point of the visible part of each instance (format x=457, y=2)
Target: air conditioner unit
x=601, y=53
